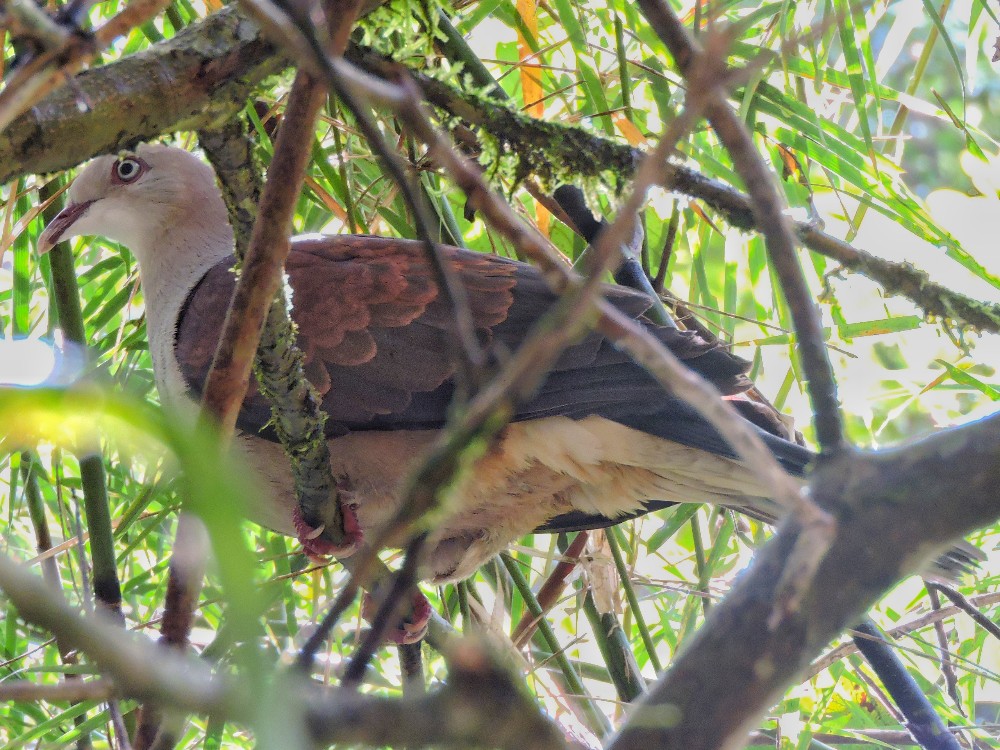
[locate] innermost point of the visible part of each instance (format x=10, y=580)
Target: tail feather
x=961, y=559
x=680, y=423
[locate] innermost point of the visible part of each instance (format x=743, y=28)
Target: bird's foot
x=317, y=548
x=411, y=628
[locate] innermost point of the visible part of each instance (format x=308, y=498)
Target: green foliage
x=856, y=106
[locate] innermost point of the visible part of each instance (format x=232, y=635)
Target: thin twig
x=24, y=18
x=298, y=35
x=703, y=70
x=550, y=591
x=970, y=607
x=121, y=730
x=48, y=70
x=947, y=663
x=581, y=699
x=846, y=649
x=261, y=275
x=668, y=248
x=390, y=610
x=75, y=691
x=307, y=654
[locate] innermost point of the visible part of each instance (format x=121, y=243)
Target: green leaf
x=933, y=15
x=677, y=517
x=968, y=379
x=571, y=25
x=856, y=74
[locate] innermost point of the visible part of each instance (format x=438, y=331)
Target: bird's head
x=153, y=200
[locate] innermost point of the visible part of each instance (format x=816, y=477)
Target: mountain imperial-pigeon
x=599, y=441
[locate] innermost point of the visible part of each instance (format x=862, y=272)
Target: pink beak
x=53, y=233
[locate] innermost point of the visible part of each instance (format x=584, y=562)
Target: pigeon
x=600, y=440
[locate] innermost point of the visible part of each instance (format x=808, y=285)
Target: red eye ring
x=128, y=169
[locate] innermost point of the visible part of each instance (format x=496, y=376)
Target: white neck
x=166, y=284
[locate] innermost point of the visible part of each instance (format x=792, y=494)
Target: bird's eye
x=128, y=169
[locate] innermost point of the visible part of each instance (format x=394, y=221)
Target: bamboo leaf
x=964, y=377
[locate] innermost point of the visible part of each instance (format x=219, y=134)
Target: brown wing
x=378, y=345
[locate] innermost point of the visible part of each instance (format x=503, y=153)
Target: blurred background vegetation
x=880, y=119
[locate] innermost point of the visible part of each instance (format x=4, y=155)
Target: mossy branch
x=558, y=152
x=203, y=75
x=895, y=509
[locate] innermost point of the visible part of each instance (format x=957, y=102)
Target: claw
x=319, y=549
x=409, y=630
x=314, y=534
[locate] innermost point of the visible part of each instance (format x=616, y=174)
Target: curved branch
x=202, y=76
x=481, y=705
x=541, y=146
x=895, y=509
x=138, y=668
x=705, y=72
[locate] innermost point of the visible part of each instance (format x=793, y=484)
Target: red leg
x=409, y=630
x=315, y=547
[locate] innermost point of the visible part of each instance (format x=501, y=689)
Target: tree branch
x=703, y=69
x=62, y=55
x=138, y=668
x=895, y=509
x=260, y=276
x=481, y=705
x=203, y=75
x=555, y=150
x=846, y=649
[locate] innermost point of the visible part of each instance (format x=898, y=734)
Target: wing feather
x=378, y=343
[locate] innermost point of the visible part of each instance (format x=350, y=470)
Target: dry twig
x=68, y=54
x=705, y=72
